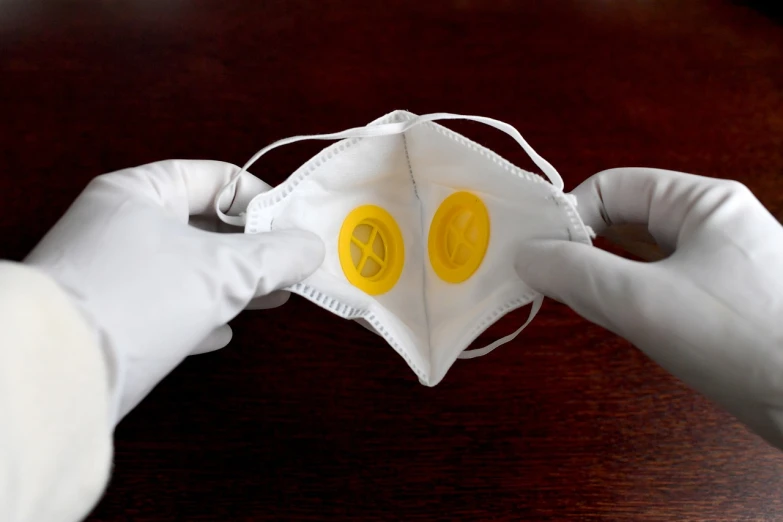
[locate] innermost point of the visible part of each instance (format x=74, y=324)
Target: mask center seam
x=410, y=167
x=423, y=245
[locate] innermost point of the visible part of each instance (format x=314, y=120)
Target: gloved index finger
x=659, y=199
x=189, y=187
x=204, y=178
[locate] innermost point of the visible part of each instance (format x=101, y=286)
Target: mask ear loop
x=479, y=352
x=546, y=168
x=384, y=130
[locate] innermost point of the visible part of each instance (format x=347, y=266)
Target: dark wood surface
x=308, y=417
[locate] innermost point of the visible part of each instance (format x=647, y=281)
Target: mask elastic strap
x=478, y=352
x=386, y=130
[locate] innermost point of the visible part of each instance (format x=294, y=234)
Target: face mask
x=422, y=227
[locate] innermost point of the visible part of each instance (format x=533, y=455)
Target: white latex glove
x=711, y=312
x=155, y=288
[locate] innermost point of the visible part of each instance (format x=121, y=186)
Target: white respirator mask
x=422, y=228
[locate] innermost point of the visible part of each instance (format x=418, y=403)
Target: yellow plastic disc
x=459, y=236
x=371, y=249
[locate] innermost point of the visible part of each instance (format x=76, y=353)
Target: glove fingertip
x=217, y=339
x=538, y=264
x=274, y=300
x=289, y=256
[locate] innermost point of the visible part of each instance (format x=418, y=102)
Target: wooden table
x=307, y=417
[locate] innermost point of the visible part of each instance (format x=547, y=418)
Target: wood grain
x=307, y=417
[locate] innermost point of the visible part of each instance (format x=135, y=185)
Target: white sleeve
x=55, y=429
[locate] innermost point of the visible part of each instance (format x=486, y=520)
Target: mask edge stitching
x=335, y=306
x=577, y=225
x=329, y=153
x=488, y=153
x=288, y=186
x=309, y=167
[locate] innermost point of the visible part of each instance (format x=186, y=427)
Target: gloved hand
x=711, y=312
x=155, y=288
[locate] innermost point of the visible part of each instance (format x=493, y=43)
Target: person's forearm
x=55, y=428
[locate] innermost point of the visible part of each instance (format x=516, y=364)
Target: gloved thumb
x=247, y=267
x=598, y=285
x=278, y=259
